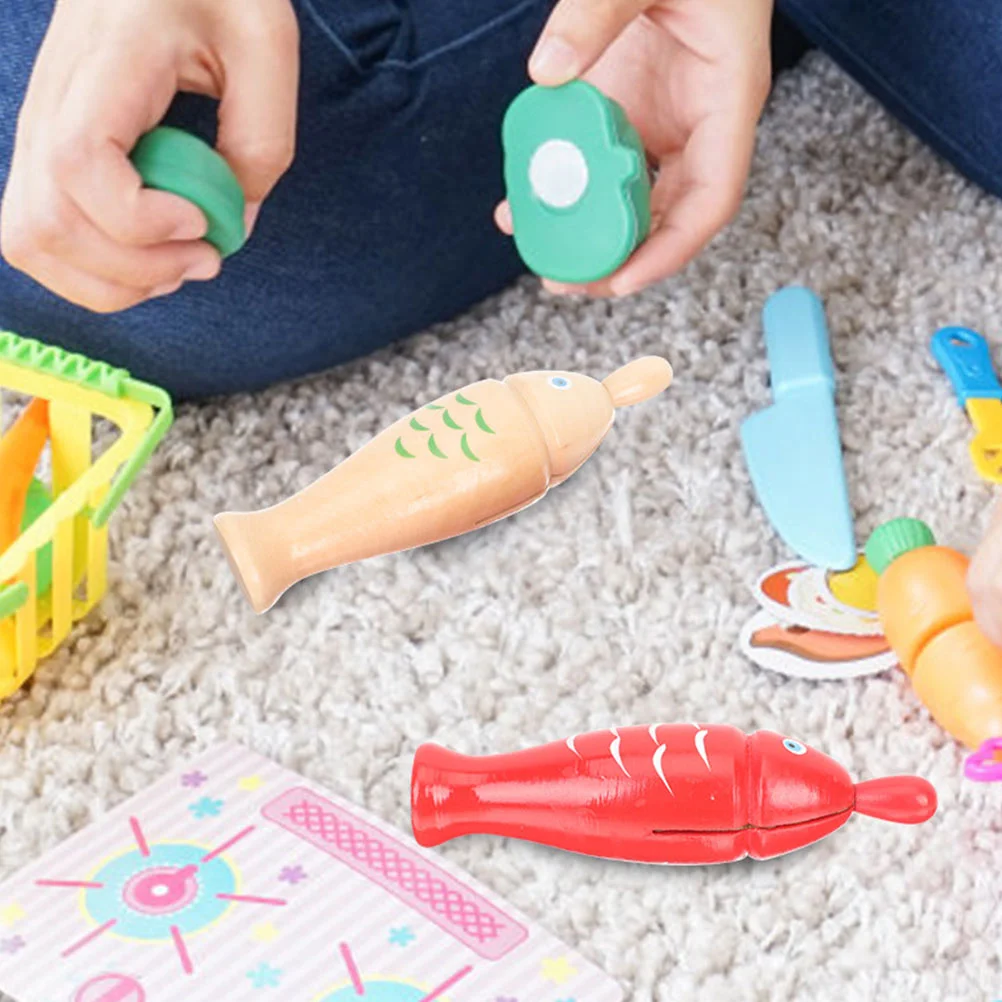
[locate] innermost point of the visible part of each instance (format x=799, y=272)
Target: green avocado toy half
x=176, y=161
x=577, y=182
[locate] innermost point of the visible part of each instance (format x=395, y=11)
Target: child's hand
x=692, y=75
x=75, y=215
x=984, y=580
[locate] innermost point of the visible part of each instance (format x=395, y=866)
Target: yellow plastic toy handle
x=986, y=446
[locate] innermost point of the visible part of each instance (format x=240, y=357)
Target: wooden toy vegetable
x=459, y=463
x=669, y=793
x=928, y=621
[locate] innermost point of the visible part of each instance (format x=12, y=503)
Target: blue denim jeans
x=383, y=225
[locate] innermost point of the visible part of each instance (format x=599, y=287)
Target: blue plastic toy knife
x=793, y=449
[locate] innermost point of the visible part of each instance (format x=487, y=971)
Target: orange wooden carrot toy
x=928, y=621
x=20, y=450
x=459, y=463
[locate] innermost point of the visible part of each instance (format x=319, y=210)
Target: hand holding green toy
x=77, y=215
x=577, y=182
x=691, y=77
x=175, y=161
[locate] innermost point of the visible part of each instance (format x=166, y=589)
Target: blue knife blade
x=793, y=448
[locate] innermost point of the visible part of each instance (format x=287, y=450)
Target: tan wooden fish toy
x=459, y=463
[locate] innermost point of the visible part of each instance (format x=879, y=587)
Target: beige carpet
x=616, y=600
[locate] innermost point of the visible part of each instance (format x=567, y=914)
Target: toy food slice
x=577, y=182
x=799, y=593
x=815, y=655
x=816, y=645
x=855, y=588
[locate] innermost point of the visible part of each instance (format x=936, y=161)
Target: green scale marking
x=439, y=445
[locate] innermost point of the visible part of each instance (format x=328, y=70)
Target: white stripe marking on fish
x=570, y=744
x=614, y=751
x=701, y=747
x=659, y=754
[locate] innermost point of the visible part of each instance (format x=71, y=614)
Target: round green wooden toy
x=172, y=160
x=577, y=182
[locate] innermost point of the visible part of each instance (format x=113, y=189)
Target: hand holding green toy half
x=171, y=160
x=691, y=76
x=577, y=183
x=108, y=232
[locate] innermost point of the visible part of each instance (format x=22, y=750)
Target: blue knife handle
x=796, y=341
x=967, y=361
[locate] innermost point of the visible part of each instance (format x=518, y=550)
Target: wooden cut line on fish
x=465, y=460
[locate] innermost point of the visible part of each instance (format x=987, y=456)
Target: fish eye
x=794, y=746
x=560, y=382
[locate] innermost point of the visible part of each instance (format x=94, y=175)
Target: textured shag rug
x=616, y=600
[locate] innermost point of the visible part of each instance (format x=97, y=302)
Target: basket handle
x=134, y=389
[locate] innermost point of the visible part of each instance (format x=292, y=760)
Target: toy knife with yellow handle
x=967, y=361
x=461, y=462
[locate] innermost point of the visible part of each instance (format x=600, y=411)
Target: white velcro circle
x=558, y=173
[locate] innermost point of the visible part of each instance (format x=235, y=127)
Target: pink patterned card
x=233, y=880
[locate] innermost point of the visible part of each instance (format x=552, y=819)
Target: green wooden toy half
x=36, y=505
x=173, y=160
x=577, y=182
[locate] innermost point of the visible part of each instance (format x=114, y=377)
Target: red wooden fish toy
x=669, y=793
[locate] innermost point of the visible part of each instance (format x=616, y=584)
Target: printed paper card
x=234, y=879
